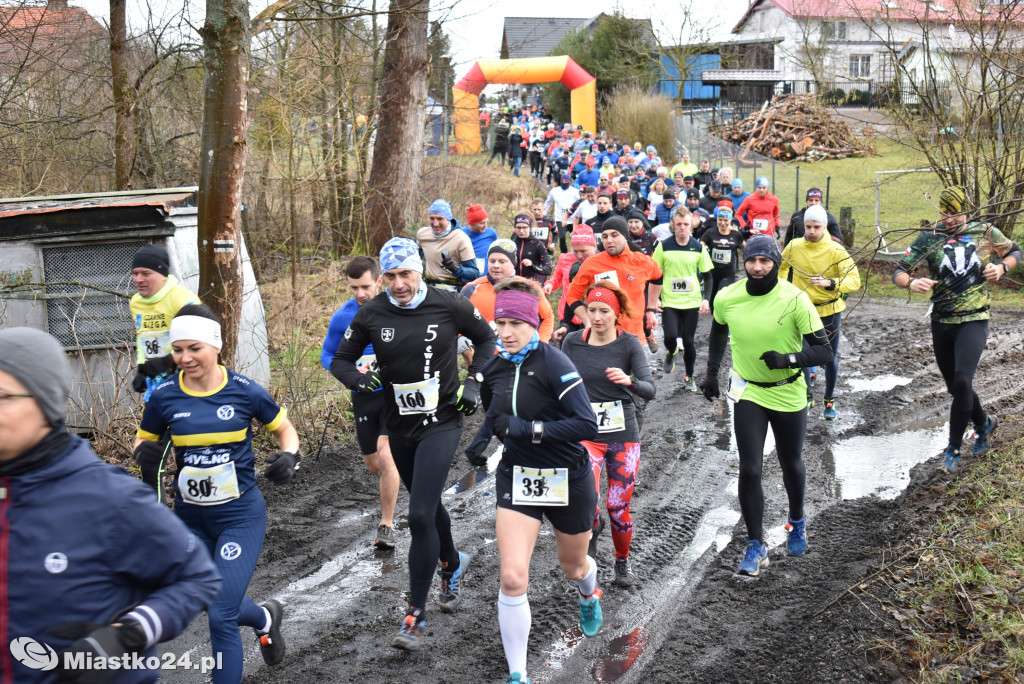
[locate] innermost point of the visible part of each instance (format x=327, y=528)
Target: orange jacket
x=631, y=271
x=481, y=293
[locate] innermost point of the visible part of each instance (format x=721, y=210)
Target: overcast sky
x=475, y=25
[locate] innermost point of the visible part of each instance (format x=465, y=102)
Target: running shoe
x=950, y=459
x=594, y=534
x=796, y=542
x=755, y=558
x=652, y=344
x=516, y=678
x=410, y=636
x=812, y=375
x=981, y=443
x=385, y=538
x=691, y=383
x=623, y=573
x=590, y=613
x=810, y=400
x=670, y=361
x=451, y=584
x=272, y=643
x=830, y=410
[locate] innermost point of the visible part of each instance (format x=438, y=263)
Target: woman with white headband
x=208, y=410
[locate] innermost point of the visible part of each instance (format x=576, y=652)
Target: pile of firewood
x=792, y=127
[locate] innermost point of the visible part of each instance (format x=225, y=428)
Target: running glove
x=448, y=263
x=148, y=455
x=468, y=397
x=158, y=366
x=475, y=454
x=281, y=467
x=139, y=382
x=369, y=382
x=499, y=422
x=710, y=387
x=97, y=641
x=778, y=361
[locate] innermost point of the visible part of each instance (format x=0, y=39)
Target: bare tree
x=398, y=151
x=124, y=110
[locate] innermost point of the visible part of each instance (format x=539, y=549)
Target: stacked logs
x=792, y=127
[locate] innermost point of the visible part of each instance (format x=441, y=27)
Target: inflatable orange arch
x=465, y=93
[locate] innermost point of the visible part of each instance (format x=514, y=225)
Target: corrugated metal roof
x=167, y=198
x=537, y=36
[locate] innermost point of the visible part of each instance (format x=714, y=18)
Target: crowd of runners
x=455, y=321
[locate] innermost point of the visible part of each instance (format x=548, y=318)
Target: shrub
x=632, y=113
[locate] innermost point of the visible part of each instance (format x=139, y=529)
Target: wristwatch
x=792, y=359
x=538, y=432
x=478, y=376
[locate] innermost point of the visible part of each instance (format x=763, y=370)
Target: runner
x=543, y=228
x=955, y=255
x=724, y=244
x=614, y=369
x=796, y=221
x=537, y=406
x=823, y=269
x=584, y=246
x=585, y=208
x=480, y=234
x=560, y=201
x=448, y=255
x=759, y=213
x=122, y=573
x=687, y=267
x=630, y=270
x=159, y=297
x=417, y=329
x=764, y=319
x=209, y=412
x=363, y=276
x=532, y=260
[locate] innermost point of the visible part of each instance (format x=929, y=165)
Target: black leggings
x=958, y=348
x=751, y=422
x=423, y=467
x=564, y=233
x=681, y=323
x=719, y=280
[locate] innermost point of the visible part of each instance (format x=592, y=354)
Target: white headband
x=196, y=328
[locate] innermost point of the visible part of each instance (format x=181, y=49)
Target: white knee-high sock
x=588, y=584
x=514, y=619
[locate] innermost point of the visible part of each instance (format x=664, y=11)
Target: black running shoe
x=272, y=643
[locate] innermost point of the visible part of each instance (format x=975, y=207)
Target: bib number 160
x=412, y=401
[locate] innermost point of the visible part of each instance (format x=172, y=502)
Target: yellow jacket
x=153, y=318
x=825, y=258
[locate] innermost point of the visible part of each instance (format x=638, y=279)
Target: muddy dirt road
x=690, y=618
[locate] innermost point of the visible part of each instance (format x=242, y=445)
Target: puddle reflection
x=879, y=383
x=622, y=653
x=880, y=464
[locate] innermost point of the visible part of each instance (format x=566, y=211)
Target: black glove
x=776, y=361
x=369, y=382
x=710, y=387
x=469, y=397
x=500, y=422
x=97, y=641
x=475, y=455
x=448, y=263
x=148, y=455
x=157, y=366
x=281, y=467
x=139, y=382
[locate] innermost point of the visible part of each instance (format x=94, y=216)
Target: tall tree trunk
x=398, y=151
x=124, y=100
x=222, y=162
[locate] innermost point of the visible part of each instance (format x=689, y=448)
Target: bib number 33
x=540, y=486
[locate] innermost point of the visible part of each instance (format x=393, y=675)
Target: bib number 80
x=201, y=488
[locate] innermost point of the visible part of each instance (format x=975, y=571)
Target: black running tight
x=681, y=323
x=958, y=348
x=423, y=467
x=751, y=422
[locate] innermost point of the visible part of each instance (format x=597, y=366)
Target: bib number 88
x=152, y=348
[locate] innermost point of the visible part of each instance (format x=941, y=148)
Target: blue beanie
x=441, y=208
x=400, y=252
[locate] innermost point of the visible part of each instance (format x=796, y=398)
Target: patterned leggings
x=623, y=460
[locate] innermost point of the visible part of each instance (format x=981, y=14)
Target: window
x=860, y=66
x=78, y=279
x=833, y=30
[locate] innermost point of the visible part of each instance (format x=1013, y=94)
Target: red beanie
x=475, y=214
x=583, y=235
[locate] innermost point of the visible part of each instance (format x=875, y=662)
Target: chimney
x=57, y=5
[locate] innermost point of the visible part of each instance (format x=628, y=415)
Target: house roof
x=537, y=36
x=937, y=11
x=27, y=31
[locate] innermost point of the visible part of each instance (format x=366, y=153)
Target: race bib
x=480, y=263
x=417, y=397
x=367, y=361
x=448, y=288
x=156, y=344
x=610, y=416
x=208, y=486
x=736, y=386
x=540, y=232
x=760, y=226
x=608, y=275
x=540, y=486
x=721, y=256
x=683, y=285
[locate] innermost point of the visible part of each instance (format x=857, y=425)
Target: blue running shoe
x=981, y=443
x=754, y=559
x=410, y=636
x=451, y=584
x=796, y=542
x=950, y=459
x=516, y=678
x=830, y=410
x=590, y=613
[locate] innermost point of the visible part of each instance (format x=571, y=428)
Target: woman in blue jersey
x=208, y=411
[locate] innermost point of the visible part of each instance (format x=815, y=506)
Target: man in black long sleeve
x=414, y=331
x=796, y=221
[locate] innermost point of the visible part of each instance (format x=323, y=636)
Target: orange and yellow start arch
x=582, y=86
